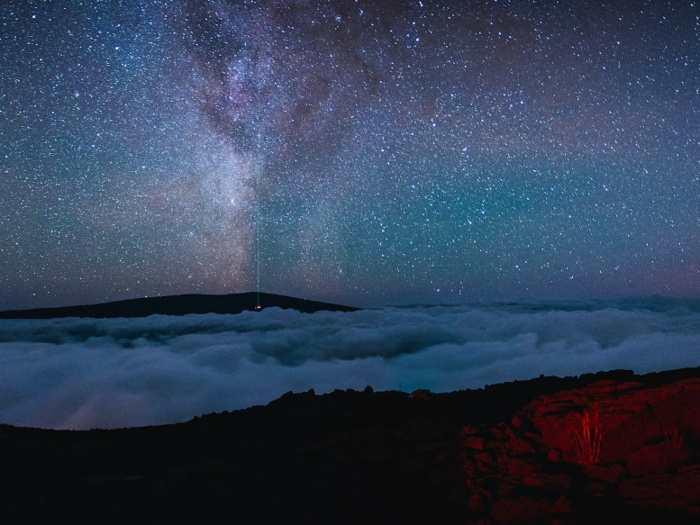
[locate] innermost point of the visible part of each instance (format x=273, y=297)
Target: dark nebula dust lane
x=381, y=153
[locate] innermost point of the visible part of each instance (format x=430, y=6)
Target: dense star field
x=382, y=152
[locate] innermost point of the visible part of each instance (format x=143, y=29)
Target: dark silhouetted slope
x=501, y=455
x=178, y=305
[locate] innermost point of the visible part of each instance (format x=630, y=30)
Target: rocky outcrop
x=646, y=439
x=509, y=481
x=629, y=417
x=543, y=465
x=471, y=457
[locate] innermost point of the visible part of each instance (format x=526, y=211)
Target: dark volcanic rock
x=666, y=489
x=510, y=511
x=465, y=457
x=629, y=415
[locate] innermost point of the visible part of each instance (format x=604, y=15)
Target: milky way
x=381, y=152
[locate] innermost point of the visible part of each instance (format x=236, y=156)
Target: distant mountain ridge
x=178, y=305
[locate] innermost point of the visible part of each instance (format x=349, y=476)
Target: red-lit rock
x=519, y=469
x=474, y=442
x=507, y=489
x=498, y=434
x=468, y=430
x=468, y=467
x=627, y=416
x=594, y=487
x=609, y=473
x=475, y=488
x=554, y=455
x=663, y=489
x=484, y=462
x=555, y=482
x=562, y=506
x=476, y=504
x=520, y=446
x=686, y=484
x=649, y=458
x=512, y=511
x=408, y=461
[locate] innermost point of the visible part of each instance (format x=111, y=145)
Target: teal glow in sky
x=399, y=152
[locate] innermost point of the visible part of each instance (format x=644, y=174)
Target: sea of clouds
x=108, y=373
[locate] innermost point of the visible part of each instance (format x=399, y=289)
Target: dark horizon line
x=178, y=305
x=184, y=304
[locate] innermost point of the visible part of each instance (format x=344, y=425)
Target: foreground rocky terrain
x=607, y=448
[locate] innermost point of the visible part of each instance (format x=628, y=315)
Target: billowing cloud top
x=85, y=373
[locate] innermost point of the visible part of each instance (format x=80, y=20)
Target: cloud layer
x=109, y=373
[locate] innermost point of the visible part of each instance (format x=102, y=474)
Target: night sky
x=382, y=152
